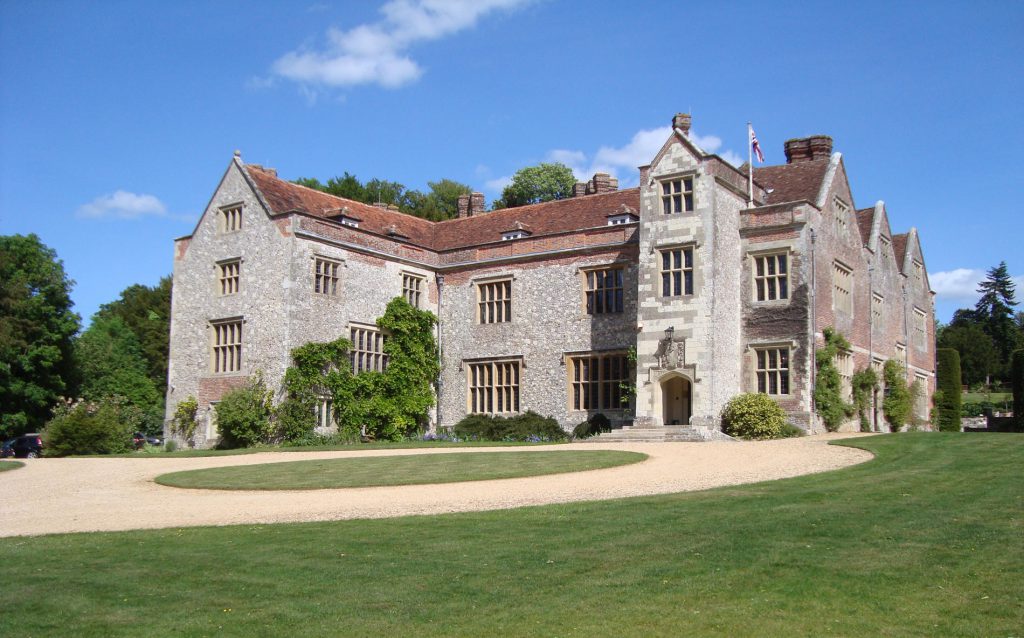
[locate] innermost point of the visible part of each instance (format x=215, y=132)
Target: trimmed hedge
x=105, y=427
x=1017, y=383
x=947, y=395
x=528, y=426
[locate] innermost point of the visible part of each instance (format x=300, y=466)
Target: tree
x=110, y=361
x=534, y=184
x=995, y=310
x=438, y=204
x=947, y=396
x=37, y=326
x=978, y=356
x=146, y=311
x=444, y=195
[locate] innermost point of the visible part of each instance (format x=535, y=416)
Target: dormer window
x=348, y=221
x=514, y=234
x=618, y=220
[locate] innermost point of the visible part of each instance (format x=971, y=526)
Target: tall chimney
x=476, y=203
x=681, y=121
x=602, y=183
x=463, y=206
x=806, y=149
x=579, y=189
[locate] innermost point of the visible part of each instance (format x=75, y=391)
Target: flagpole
x=750, y=166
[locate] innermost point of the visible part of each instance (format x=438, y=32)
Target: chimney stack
x=681, y=121
x=579, y=189
x=463, y=206
x=807, y=149
x=602, y=183
x=471, y=204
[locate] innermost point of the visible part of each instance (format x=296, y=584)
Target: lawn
x=376, y=445
x=925, y=540
x=992, y=397
x=6, y=466
x=397, y=470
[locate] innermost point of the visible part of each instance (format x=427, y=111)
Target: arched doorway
x=675, y=400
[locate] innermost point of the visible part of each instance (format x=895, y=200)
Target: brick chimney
x=579, y=189
x=602, y=183
x=681, y=121
x=472, y=204
x=806, y=149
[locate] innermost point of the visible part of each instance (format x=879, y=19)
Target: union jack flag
x=756, y=147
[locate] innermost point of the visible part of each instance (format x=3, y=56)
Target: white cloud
x=376, y=53
x=960, y=284
x=122, y=205
x=498, y=184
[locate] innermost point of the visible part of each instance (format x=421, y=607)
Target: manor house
x=540, y=306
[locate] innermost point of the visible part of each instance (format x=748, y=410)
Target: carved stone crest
x=671, y=353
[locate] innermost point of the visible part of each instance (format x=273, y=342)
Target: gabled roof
x=559, y=216
x=564, y=215
x=792, y=182
x=284, y=197
x=865, y=220
x=899, y=246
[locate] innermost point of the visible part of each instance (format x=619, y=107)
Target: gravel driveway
x=104, y=494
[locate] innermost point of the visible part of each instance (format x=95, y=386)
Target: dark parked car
x=140, y=440
x=26, y=446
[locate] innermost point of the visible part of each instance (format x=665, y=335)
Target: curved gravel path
x=105, y=494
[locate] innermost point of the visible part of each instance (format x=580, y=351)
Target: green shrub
x=104, y=427
x=528, y=426
x=753, y=416
x=1017, y=384
x=170, y=446
x=593, y=426
x=828, y=387
x=898, y=401
x=183, y=423
x=947, y=394
x=296, y=420
x=790, y=431
x=864, y=383
x=243, y=416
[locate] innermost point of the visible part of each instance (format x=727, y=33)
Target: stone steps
x=661, y=434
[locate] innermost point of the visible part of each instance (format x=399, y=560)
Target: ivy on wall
x=828, y=390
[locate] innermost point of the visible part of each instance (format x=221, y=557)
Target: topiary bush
x=528, y=426
x=753, y=416
x=947, y=395
x=243, y=416
x=1017, y=386
x=593, y=426
x=104, y=427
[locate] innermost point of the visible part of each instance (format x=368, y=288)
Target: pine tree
x=995, y=310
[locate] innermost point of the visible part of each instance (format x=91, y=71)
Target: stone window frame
x=841, y=215
x=493, y=303
x=765, y=253
x=229, y=218
x=589, y=286
x=367, y=351
x=326, y=272
x=413, y=287
x=877, y=307
x=842, y=288
x=844, y=365
x=494, y=382
x=920, y=328
x=229, y=276
x=226, y=345
x=323, y=412
x=781, y=375
x=606, y=388
x=918, y=272
x=920, y=406
x=901, y=353
x=678, y=201
x=690, y=249
x=884, y=247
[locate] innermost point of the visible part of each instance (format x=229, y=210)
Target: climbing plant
x=864, y=383
x=828, y=390
x=898, y=400
x=381, y=405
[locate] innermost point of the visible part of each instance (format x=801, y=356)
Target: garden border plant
x=828, y=387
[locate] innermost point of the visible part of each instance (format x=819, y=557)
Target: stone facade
x=680, y=257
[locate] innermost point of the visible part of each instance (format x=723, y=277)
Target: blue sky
x=118, y=118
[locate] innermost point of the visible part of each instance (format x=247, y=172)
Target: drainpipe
x=440, y=356
x=814, y=322
x=871, y=342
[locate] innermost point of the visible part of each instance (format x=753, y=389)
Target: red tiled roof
x=548, y=218
x=899, y=246
x=564, y=215
x=865, y=219
x=792, y=182
x=283, y=197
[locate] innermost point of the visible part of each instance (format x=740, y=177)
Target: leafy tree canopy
x=111, y=363
x=146, y=311
x=978, y=356
x=993, y=316
x=535, y=184
x=37, y=326
x=439, y=203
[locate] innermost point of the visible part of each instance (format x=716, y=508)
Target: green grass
x=396, y=470
x=993, y=397
x=377, y=445
x=925, y=540
x=6, y=466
